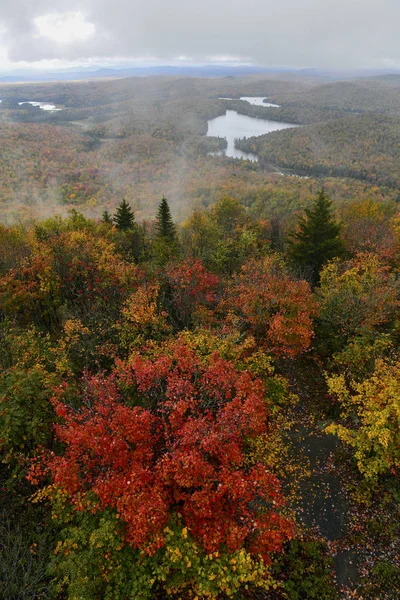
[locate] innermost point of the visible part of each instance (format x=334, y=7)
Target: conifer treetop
x=124, y=217
x=164, y=223
x=106, y=217
x=317, y=238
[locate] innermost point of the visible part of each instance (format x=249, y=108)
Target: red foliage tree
x=276, y=308
x=30, y=292
x=74, y=268
x=185, y=455
x=192, y=287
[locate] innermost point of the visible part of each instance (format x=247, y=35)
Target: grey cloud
x=326, y=33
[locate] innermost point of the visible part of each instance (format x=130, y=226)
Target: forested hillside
x=157, y=410
x=200, y=360
x=139, y=138
x=325, y=101
x=365, y=147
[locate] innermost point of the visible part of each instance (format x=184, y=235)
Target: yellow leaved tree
x=372, y=411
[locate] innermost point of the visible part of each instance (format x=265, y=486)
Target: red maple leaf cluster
x=182, y=451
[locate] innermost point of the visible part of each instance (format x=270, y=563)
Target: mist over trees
x=199, y=366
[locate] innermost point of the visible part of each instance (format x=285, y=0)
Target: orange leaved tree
x=276, y=308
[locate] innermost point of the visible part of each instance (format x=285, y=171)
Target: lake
x=258, y=101
x=42, y=105
x=233, y=126
x=255, y=101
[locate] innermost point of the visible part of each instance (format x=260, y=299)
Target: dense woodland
x=153, y=397
x=199, y=392
x=365, y=147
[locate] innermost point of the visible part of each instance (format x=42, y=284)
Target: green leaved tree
x=164, y=224
x=124, y=218
x=166, y=241
x=317, y=238
x=106, y=218
x=129, y=238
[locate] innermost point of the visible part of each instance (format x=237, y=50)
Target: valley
x=141, y=137
x=198, y=316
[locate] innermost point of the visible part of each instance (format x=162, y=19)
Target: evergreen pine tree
x=317, y=239
x=106, y=217
x=165, y=225
x=124, y=218
x=165, y=246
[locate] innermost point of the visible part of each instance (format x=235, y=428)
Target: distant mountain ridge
x=111, y=72
x=83, y=73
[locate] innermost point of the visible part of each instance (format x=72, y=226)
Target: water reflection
x=233, y=126
x=41, y=105
x=258, y=101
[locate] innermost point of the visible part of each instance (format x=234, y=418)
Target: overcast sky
x=291, y=33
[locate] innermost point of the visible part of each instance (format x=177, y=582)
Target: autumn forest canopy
x=200, y=356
